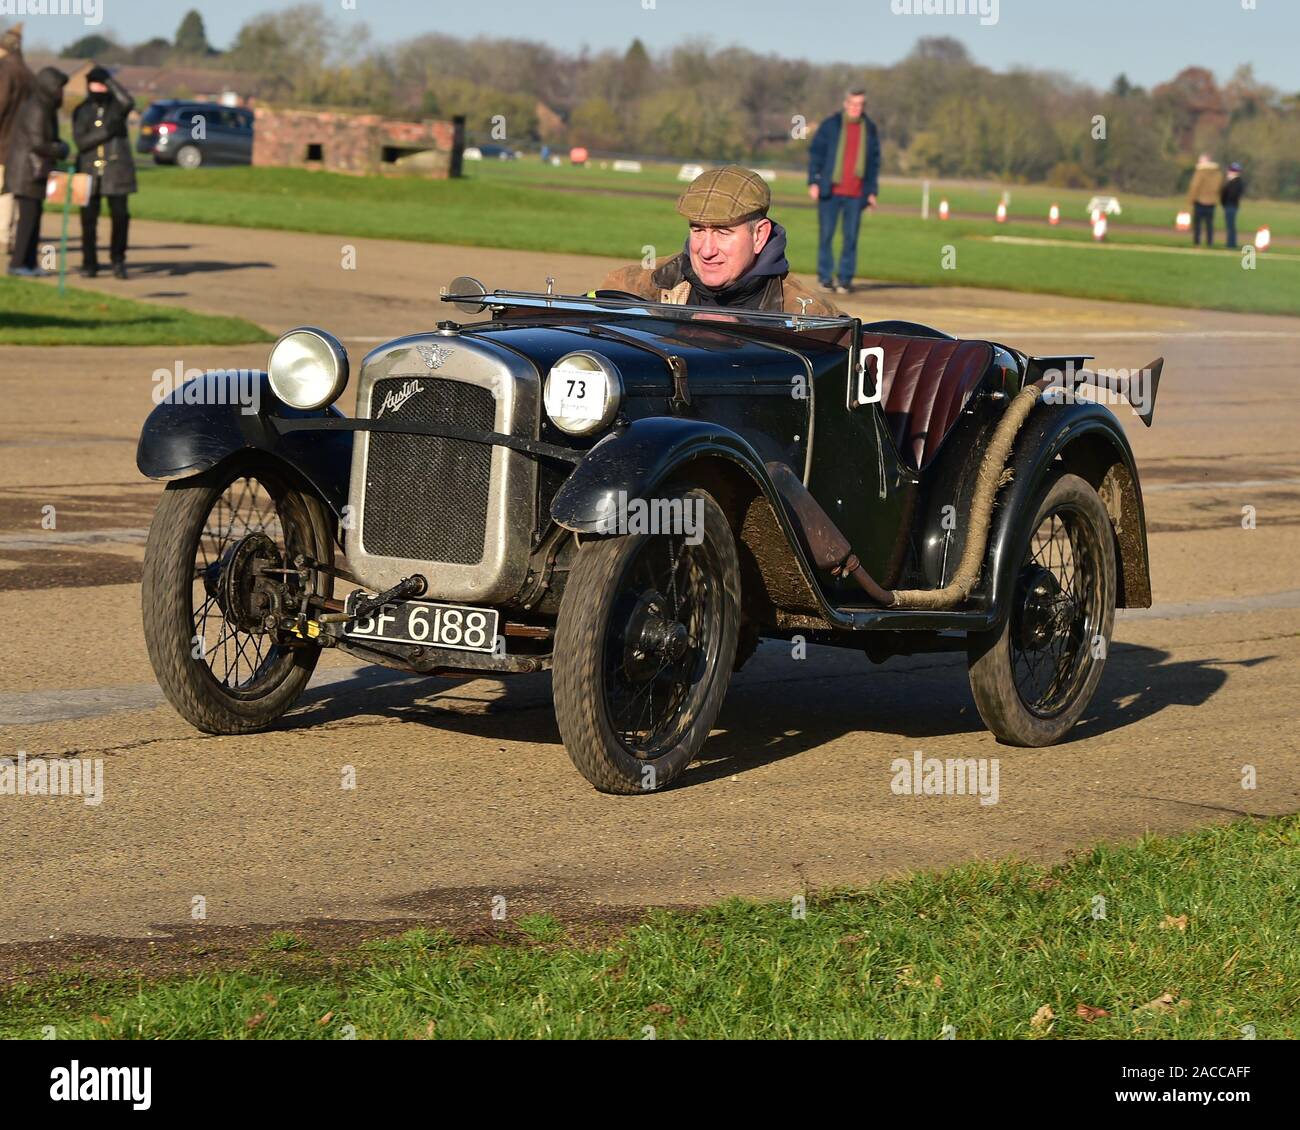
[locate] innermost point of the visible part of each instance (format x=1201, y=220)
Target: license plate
x=434, y=625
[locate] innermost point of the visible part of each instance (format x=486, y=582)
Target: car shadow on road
x=1138, y=683
x=912, y=699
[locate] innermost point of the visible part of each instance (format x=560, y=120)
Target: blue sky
x=1149, y=40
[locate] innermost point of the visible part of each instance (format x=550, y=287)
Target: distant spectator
x=1230, y=198
x=104, y=151
x=34, y=149
x=15, y=84
x=843, y=177
x=1203, y=198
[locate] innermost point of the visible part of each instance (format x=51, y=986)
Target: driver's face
x=720, y=256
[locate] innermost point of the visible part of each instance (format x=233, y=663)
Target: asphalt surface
x=463, y=789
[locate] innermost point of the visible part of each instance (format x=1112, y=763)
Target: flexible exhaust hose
x=991, y=476
x=831, y=550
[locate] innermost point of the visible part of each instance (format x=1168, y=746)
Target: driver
x=734, y=256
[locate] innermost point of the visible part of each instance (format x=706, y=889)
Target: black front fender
x=180, y=440
x=1083, y=439
x=640, y=457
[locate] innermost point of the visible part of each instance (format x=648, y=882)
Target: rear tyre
x=644, y=650
x=221, y=671
x=1033, y=679
x=189, y=156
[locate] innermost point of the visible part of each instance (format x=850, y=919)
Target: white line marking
x=1095, y=245
x=39, y=707
x=1221, y=484
x=43, y=539
x=1214, y=606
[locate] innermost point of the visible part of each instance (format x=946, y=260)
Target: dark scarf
x=750, y=290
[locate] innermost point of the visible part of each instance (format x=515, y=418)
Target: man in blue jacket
x=843, y=177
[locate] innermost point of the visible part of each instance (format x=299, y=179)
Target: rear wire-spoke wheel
x=644, y=650
x=1033, y=679
x=218, y=665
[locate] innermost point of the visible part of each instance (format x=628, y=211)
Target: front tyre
x=1033, y=679
x=644, y=649
x=209, y=539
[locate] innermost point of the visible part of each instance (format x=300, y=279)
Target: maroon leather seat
x=926, y=384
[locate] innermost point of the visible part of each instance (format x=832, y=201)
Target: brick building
x=357, y=143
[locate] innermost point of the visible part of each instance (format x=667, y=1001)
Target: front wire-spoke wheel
x=204, y=597
x=644, y=650
x=1033, y=679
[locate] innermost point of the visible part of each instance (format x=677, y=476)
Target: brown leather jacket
x=1205, y=185
x=664, y=282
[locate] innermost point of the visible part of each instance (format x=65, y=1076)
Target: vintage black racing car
x=633, y=495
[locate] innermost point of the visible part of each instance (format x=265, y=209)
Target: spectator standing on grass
x=104, y=152
x=34, y=148
x=1230, y=198
x=15, y=85
x=843, y=177
x=1203, y=197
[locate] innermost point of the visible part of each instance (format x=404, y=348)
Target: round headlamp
x=583, y=393
x=308, y=369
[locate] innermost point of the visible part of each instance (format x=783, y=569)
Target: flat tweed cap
x=726, y=196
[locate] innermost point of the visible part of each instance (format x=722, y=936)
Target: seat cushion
x=925, y=386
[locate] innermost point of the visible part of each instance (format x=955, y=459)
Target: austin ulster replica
x=633, y=495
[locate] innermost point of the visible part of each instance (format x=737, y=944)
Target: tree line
x=940, y=113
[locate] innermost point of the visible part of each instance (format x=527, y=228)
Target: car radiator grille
x=427, y=497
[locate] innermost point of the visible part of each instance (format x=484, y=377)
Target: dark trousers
x=1230, y=222
x=28, y=232
x=1203, y=214
x=829, y=211
x=89, y=228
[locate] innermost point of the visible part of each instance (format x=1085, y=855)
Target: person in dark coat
x=1230, y=198
x=104, y=152
x=34, y=149
x=15, y=84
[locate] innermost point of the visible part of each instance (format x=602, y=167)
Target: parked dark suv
x=191, y=134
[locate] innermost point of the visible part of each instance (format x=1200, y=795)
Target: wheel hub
x=1044, y=608
x=653, y=638
x=242, y=593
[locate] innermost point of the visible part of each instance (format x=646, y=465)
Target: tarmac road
x=463, y=789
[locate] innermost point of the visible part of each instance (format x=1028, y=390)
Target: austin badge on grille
x=434, y=355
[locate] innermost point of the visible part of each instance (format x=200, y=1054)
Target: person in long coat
x=34, y=149
x=104, y=152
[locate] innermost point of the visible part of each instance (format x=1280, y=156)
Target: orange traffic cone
x=943, y=209
x=1183, y=221
x=1263, y=238
x=1002, y=213
x=1099, y=227
x=1053, y=215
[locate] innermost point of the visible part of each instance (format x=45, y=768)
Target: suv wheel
x=189, y=157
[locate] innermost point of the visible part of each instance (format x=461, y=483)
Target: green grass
x=1027, y=201
x=486, y=210
x=33, y=313
x=1198, y=939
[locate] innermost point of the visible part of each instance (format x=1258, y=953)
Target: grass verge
x=1196, y=940
x=33, y=313
x=490, y=211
